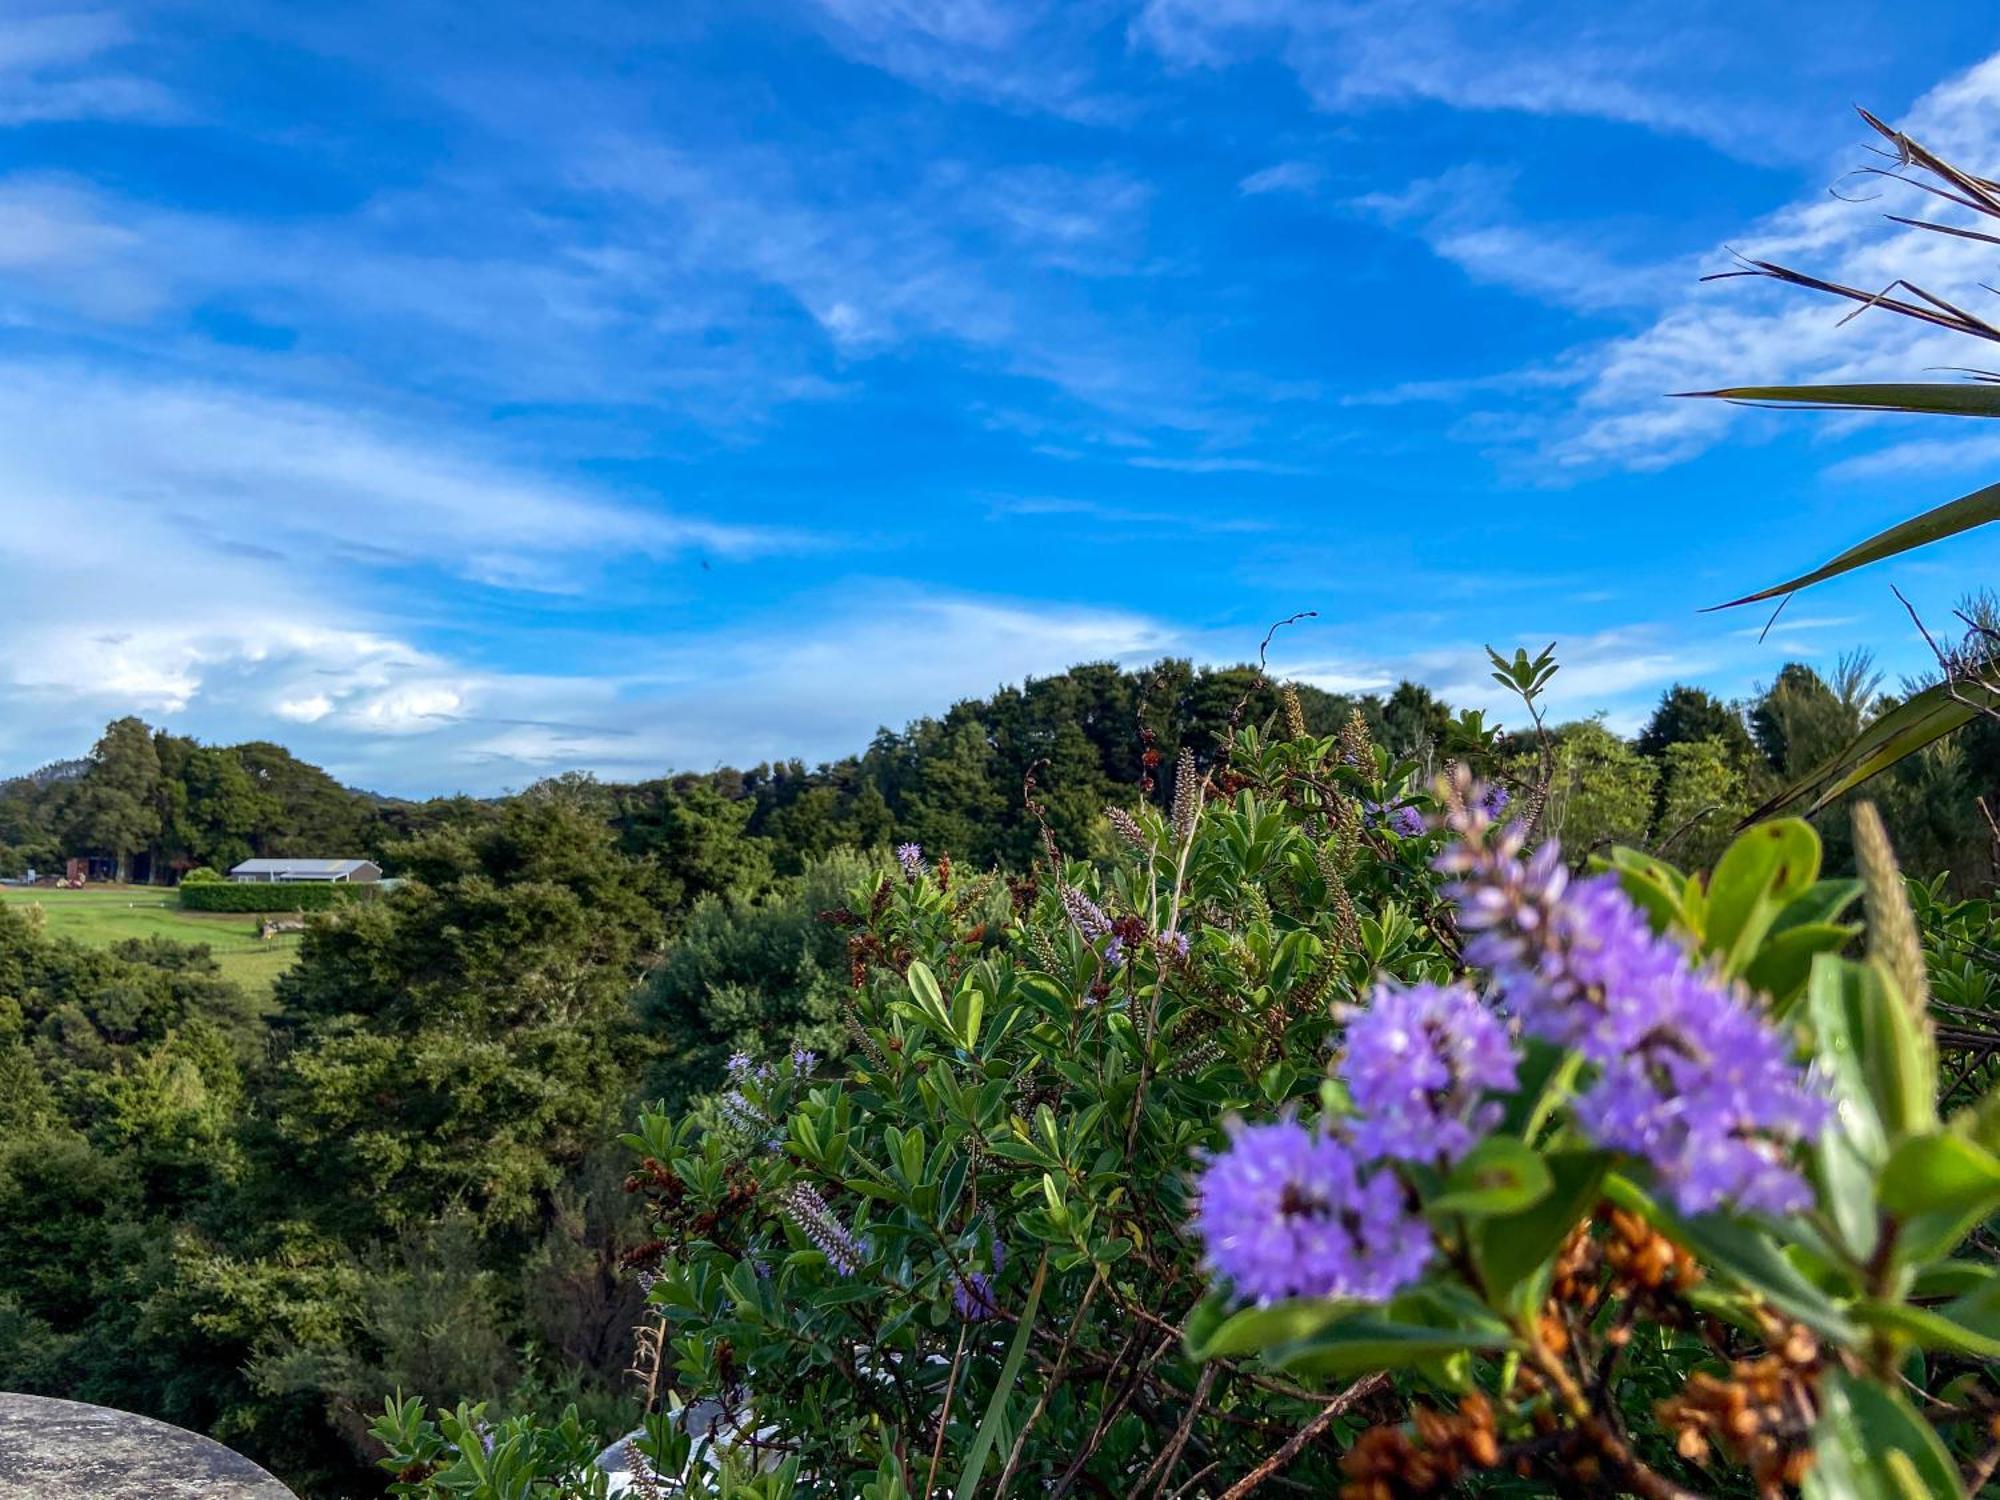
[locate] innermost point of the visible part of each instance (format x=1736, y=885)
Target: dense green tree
x=1688, y=715
x=1413, y=717
x=752, y=975
x=115, y=811
x=1703, y=795
x=1803, y=718
x=1602, y=792
x=465, y=1038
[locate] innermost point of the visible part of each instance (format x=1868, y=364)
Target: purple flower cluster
x=1405, y=820
x=803, y=1205
x=1117, y=954
x=1691, y=1077
x=736, y=1106
x=911, y=858
x=1287, y=1212
x=1085, y=913
x=1292, y=1212
x=973, y=1297
x=1418, y=1064
x=1493, y=801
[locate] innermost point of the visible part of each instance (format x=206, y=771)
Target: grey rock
x=64, y=1450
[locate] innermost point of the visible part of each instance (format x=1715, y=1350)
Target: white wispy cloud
x=189, y=550
x=1465, y=215
x=70, y=64
x=1283, y=177
x=1752, y=332
x=1634, y=64
x=1025, y=54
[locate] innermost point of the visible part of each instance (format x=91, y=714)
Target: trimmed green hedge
x=267, y=897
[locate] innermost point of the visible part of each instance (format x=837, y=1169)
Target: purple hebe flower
x=1408, y=822
x=1493, y=801
x=1417, y=1064
x=911, y=858
x=1085, y=913
x=803, y=1205
x=1288, y=1212
x=1693, y=1079
x=1114, y=952
x=972, y=1299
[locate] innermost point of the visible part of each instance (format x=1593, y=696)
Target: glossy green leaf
x=1656, y=887
x=1512, y=1248
x=1928, y=1328
x=1761, y=872
x=1355, y=1345
x=1215, y=1332
x=1782, y=965
x=1869, y=1445
x=1978, y=1309
x=1500, y=1175
x=1877, y=1046
x=1940, y=1173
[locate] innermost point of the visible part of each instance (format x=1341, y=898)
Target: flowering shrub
x=1338, y=1135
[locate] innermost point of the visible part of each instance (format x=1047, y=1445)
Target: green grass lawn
x=105, y=914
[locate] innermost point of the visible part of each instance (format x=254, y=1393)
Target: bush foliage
x=1159, y=1195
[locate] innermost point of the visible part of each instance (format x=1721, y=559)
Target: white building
x=296, y=871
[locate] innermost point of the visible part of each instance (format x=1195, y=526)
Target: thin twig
x=1366, y=1386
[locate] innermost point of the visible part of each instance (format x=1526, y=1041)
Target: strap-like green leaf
x=996, y=1408
x=1938, y=397
x=1954, y=516
x=1918, y=721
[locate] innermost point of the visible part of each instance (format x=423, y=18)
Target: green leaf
x=1978, y=1309
x=1934, y=525
x=996, y=1407
x=1353, y=1345
x=1512, y=1248
x=1763, y=871
x=1824, y=902
x=1928, y=1328
x=1919, y=720
x=1940, y=1173
x=930, y=1000
x=1932, y=397
x=1869, y=1445
x=1870, y=1042
x=1656, y=887
x=1500, y=1175
x=1214, y=1332
x=1783, y=964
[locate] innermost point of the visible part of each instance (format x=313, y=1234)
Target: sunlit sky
x=462, y=393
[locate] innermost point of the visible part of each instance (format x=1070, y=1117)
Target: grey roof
x=300, y=866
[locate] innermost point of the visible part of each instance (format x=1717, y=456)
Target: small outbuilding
x=298, y=871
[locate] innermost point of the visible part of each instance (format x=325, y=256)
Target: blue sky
x=459, y=394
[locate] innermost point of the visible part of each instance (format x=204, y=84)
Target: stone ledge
x=64, y=1450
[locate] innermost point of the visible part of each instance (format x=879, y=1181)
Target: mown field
x=106, y=914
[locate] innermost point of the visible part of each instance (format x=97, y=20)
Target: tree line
x=150, y=805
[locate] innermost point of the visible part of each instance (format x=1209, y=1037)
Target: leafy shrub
x=1272, y=1148
x=247, y=896
x=203, y=875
